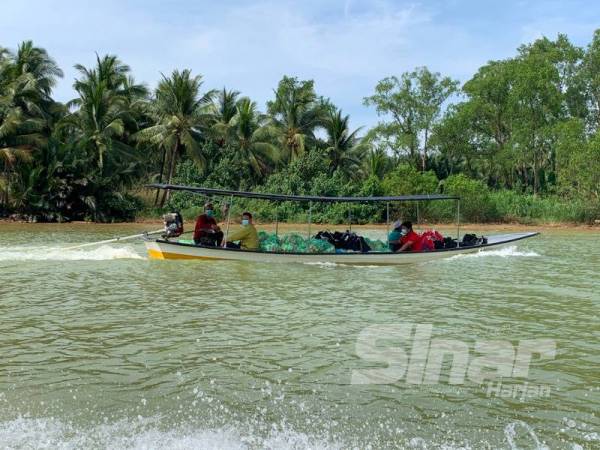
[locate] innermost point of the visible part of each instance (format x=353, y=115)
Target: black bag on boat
x=449, y=242
x=345, y=241
x=470, y=240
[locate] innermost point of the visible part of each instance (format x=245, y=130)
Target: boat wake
x=506, y=252
x=105, y=252
x=330, y=265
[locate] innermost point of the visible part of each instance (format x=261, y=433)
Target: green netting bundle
x=293, y=243
x=377, y=245
x=269, y=242
x=320, y=246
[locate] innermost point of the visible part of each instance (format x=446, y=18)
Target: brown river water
x=102, y=348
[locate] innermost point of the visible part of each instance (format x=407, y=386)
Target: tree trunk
x=172, y=164
x=536, y=180
x=160, y=176
x=424, y=155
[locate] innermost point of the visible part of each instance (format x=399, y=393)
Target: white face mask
x=245, y=221
x=404, y=232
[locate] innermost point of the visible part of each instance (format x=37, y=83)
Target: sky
x=345, y=46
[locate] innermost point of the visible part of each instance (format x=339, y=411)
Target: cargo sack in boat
x=449, y=242
x=355, y=242
x=345, y=241
x=470, y=240
x=431, y=239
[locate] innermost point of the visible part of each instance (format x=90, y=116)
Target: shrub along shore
x=518, y=142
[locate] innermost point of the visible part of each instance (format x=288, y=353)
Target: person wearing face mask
x=207, y=232
x=409, y=240
x=247, y=235
x=395, y=236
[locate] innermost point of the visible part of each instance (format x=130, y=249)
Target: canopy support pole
x=277, y=220
x=228, y=219
x=458, y=223
x=418, y=216
x=350, y=218
x=309, y=217
x=387, y=223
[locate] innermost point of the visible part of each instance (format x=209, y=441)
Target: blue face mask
x=245, y=221
x=209, y=212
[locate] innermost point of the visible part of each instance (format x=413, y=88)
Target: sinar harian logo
x=406, y=351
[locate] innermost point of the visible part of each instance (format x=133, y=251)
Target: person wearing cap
x=246, y=236
x=395, y=236
x=207, y=232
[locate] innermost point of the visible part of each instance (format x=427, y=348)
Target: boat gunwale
x=521, y=236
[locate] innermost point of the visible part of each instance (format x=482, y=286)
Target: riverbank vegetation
x=519, y=141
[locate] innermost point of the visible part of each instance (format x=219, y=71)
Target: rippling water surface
x=103, y=348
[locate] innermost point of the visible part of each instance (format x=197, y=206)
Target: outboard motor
x=173, y=225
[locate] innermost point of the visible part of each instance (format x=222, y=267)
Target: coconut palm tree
x=224, y=112
x=180, y=113
x=376, y=163
x=296, y=113
x=104, y=112
x=26, y=108
x=252, y=138
x=344, y=150
x=26, y=81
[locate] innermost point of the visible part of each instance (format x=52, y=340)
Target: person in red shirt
x=410, y=241
x=207, y=232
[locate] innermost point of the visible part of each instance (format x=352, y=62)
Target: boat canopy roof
x=300, y=198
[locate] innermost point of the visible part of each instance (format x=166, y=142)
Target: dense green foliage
x=518, y=141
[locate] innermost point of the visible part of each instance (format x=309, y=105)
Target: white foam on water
x=506, y=252
x=328, y=265
x=137, y=433
x=101, y=253
x=511, y=432
x=144, y=433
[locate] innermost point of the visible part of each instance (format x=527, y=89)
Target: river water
x=102, y=348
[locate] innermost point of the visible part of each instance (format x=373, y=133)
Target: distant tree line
x=519, y=141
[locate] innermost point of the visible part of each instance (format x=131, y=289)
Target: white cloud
x=345, y=46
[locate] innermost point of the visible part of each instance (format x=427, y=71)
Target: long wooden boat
x=164, y=249
x=169, y=249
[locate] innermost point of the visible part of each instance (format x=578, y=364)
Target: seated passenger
x=246, y=236
x=410, y=241
x=395, y=236
x=207, y=232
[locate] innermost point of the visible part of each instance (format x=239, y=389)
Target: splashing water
x=506, y=252
x=511, y=433
x=145, y=433
x=330, y=265
x=105, y=252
